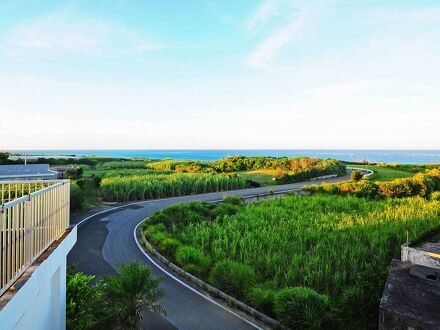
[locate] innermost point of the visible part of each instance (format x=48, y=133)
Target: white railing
x=33, y=214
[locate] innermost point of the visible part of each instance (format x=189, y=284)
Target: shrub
x=76, y=197
x=224, y=209
x=188, y=255
x=168, y=246
x=234, y=200
x=356, y=175
x=232, y=277
x=435, y=196
x=97, y=180
x=74, y=173
x=422, y=184
x=262, y=299
x=82, y=305
x=80, y=183
x=303, y=308
x=367, y=188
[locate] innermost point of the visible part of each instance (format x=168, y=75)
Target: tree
x=356, y=175
x=4, y=157
x=125, y=295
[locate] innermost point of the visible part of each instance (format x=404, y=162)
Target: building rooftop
x=32, y=171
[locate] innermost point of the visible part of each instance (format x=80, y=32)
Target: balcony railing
x=33, y=214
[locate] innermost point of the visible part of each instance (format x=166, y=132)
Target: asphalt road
x=106, y=240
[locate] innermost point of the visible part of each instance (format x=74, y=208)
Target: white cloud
x=269, y=48
x=65, y=33
x=287, y=20
x=265, y=11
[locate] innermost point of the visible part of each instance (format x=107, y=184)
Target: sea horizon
x=407, y=156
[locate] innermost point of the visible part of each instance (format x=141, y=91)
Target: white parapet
x=40, y=303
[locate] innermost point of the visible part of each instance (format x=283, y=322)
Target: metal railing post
x=28, y=231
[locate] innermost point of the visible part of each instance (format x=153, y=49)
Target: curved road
x=105, y=240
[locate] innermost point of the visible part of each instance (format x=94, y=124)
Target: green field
x=341, y=247
x=264, y=178
x=385, y=174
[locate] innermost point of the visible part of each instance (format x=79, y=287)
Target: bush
x=168, y=246
x=422, y=184
x=224, y=209
x=82, y=305
x=74, y=173
x=262, y=300
x=188, y=256
x=435, y=196
x=97, y=180
x=356, y=175
x=232, y=277
x=76, y=197
x=80, y=183
x=303, y=308
x=233, y=200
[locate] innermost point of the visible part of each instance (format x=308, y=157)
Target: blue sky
x=219, y=74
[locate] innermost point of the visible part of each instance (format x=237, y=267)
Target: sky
x=205, y=74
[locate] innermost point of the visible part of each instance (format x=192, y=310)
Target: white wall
x=41, y=302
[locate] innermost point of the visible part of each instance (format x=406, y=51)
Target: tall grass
x=340, y=246
x=129, y=164
x=141, y=187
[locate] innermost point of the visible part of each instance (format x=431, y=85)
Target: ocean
x=375, y=156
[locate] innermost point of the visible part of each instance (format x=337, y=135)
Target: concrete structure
x=35, y=239
x=27, y=172
x=411, y=296
x=38, y=299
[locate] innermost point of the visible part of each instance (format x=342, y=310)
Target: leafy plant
x=232, y=277
x=125, y=295
x=356, y=175
x=303, y=308
x=82, y=301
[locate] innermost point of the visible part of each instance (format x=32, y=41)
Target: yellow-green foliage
x=141, y=187
x=122, y=165
x=422, y=184
x=177, y=165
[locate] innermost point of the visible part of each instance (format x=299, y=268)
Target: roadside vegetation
x=311, y=262
x=117, y=180
x=114, y=302
x=422, y=184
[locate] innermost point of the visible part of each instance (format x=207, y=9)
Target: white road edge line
x=183, y=283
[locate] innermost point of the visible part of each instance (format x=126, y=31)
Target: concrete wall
x=41, y=302
x=420, y=257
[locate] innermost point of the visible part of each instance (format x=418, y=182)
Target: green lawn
x=263, y=178
x=385, y=174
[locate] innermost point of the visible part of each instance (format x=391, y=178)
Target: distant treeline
x=291, y=169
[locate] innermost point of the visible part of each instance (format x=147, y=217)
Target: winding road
x=106, y=240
